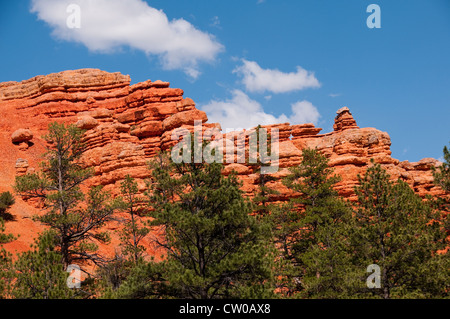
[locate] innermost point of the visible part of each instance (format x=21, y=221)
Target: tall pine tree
x=213, y=247
x=76, y=220
x=260, y=159
x=401, y=234
x=441, y=176
x=5, y=262
x=6, y=201
x=313, y=229
x=133, y=230
x=39, y=274
x=442, y=173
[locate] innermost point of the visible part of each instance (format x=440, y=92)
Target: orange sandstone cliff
x=126, y=125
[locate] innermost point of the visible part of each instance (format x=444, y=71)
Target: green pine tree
x=114, y=273
x=442, y=173
x=133, y=230
x=261, y=160
x=442, y=179
x=213, y=247
x=5, y=262
x=6, y=201
x=76, y=220
x=39, y=274
x=401, y=234
x=143, y=280
x=313, y=230
x=4, y=238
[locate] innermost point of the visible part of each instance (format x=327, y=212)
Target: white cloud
x=257, y=79
x=304, y=112
x=108, y=25
x=241, y=112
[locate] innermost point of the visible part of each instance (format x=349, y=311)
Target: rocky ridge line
x=126, y=125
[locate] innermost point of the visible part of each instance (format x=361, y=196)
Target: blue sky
x=249, y=61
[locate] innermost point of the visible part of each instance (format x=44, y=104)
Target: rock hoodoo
x=344, y=120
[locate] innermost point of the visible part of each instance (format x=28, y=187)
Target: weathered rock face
x=127, y=125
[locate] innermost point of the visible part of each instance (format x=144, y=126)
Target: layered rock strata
x=126, y=125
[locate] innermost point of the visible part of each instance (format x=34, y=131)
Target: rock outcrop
x=21, y=136
x=126, y=125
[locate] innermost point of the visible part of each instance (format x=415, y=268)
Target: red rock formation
x=21, y=136
x=127, y=125
x=344, y=120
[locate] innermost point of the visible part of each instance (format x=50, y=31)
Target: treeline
x=216, y=243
